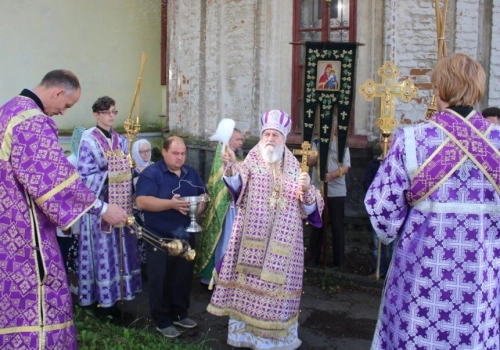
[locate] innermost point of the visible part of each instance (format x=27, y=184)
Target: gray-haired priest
x=260, y=277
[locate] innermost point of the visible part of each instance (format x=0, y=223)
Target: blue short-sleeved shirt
x=157, y=181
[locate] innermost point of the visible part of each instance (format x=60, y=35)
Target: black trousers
x=169, y=284
x=336, y=216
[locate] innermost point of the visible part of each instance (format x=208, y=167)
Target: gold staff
x=388, y=91
x=131, y=130
x=131, y=127
x=442, y=52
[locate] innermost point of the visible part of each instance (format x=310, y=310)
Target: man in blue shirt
x=159, y=189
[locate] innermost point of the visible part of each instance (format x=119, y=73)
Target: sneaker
x=186, y=323
x=169, y=332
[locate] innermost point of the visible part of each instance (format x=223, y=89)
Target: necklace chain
x=277, y=193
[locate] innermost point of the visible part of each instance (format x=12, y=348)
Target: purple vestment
x=39, y=190
x=442, y=286
x=100, y=256
x=260, y=281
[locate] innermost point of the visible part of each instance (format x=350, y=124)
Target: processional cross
x=388, y=91
x=305, y=152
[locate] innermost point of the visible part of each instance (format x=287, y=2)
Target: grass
x=95, y=333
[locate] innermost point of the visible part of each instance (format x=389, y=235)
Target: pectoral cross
x=305, y=152
x=388, y=91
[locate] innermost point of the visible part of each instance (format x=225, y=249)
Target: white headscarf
x=137, y=156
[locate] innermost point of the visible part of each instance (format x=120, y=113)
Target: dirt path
x=336, y=313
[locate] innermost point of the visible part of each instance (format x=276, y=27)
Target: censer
x=174, y=246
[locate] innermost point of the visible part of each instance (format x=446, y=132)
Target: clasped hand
x=304, y=182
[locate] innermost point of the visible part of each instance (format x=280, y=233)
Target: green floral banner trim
x=329, y=86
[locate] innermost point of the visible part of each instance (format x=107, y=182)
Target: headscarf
x=137, y=156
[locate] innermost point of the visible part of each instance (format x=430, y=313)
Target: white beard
x=271, y=153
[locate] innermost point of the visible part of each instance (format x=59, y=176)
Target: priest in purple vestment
x=260, y=280
x=438, y=190
x=40, y=190
x=108, y=257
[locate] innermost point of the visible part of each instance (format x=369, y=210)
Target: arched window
x=316, y=20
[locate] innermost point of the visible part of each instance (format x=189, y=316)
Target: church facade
x=237, y=59
x=234, y=59
x=214, y=59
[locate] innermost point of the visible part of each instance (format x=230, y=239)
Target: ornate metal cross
x=305, y=152
x=388, y=91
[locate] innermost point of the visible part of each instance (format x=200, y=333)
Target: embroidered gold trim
x=430, y=159
x=279, y=293
x=5, y=150
x=268, y=333
x=57, y=189
x=79, y=216
x=248, y=243
x=274, y=277
x=252, y=270
x=120, y=177
x=31, y=329
x=281, y=250
x=277, y=325
x=440, y=182
x=466, y=151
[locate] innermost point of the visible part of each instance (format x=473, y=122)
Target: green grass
x=94, y=333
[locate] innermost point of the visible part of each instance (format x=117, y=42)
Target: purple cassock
x=438, y=191
x=108, y=257
x=39, y=190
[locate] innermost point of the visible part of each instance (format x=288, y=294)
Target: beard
x=238, y=152
x=271, y=153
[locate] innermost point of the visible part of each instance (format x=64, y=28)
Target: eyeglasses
x=145, y=151
x=113, y=112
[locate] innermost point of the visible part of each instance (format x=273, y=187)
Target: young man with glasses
x=108, y=257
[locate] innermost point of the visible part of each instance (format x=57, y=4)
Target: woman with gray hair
x=141, y=153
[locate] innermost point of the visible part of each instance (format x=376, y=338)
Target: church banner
x=328, y=86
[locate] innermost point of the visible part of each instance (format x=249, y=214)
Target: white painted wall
x=227, y=59
x=101, y=41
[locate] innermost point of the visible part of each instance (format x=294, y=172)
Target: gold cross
x=305, y=152
x=325, y=128
x=388, y=91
